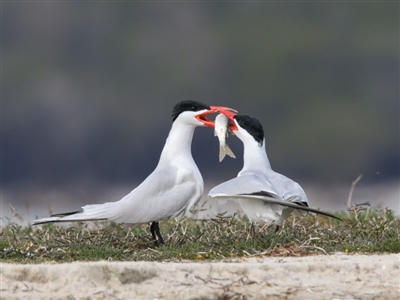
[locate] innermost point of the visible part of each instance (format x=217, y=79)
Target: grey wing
x=280, y=202
x=246, y=184
x=164, y=194
x=289, y=189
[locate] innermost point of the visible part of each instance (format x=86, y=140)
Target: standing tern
x=171, y=190
x=263, y=194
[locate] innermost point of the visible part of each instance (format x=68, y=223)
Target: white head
x=194, y=113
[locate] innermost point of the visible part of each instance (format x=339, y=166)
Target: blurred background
x=88, y=89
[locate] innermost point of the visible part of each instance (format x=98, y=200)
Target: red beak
x=214, y=109
x=230, y=113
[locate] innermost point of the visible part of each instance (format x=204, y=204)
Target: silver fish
x=221, y=130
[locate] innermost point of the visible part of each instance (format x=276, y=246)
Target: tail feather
x=94, y=212
x=67, y=214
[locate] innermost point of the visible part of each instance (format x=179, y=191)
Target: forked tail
x=225, y=150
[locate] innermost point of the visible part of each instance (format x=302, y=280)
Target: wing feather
x=280, y=202
x=250, y=183
x=165, y=193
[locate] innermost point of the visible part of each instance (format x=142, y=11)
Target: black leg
x=159, y=234
x=155, y=232
x=252, y=228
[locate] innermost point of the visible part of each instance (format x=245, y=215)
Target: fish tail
x=222, y=153
x=225, y=150
x=229, y=151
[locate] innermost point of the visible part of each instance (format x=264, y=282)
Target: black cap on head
x=187, y=105
x=252, y=126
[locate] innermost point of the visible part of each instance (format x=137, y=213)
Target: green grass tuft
x=213, y=240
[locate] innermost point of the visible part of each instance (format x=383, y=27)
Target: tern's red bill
x=230, y=113
x=214, y=109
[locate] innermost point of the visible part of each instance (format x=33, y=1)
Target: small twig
x=246, y=281
x=353, y=185
x=247, y=253
x=313, y=246
x=153, y=250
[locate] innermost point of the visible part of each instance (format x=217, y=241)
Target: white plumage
x=170, y=190
x=263, y=194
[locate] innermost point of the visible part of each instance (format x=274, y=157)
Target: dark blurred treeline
x=88, y=88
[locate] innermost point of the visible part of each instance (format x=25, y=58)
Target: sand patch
x=336, y=276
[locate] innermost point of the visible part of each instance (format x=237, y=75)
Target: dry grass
x=222, y=238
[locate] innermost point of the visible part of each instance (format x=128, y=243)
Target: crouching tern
x=262, y=194
x=170, y=191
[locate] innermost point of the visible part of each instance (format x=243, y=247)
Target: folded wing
x=164, y=194
x=247, y=184
x=270, y=200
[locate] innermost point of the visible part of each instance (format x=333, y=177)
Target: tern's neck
x=179, y=142
x=255, y=157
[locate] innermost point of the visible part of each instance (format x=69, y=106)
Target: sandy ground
x=338, y=276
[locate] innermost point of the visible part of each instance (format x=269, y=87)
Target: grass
x=220, y=239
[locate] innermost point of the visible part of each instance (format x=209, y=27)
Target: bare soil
x=338, y=276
